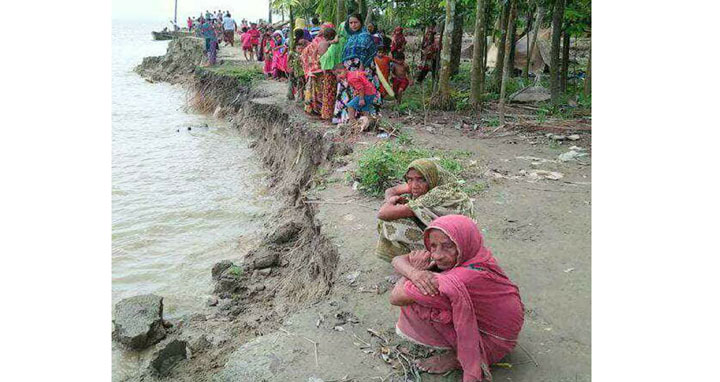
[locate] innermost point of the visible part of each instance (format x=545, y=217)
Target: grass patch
x=493, y=122
x=236, y=270
x=246, y=75
x=383, y=164
x=474, y=188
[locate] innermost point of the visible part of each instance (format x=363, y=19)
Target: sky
x=162, y=10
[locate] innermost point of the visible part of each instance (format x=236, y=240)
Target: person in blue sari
x=358, y=54
x=207, y=30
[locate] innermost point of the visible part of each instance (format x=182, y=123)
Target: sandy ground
x=538, y=230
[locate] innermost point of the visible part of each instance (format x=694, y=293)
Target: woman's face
x=354, y=24
x=442, y=250
x=371, y=28
x=418, y=185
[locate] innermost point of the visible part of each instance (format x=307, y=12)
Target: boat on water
x=166, y=34
x=163, y=35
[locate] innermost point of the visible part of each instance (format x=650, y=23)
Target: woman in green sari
x=429, y=192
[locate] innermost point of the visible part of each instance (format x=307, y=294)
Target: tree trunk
x=341, y=12
x=587, y=75
x=269, y=12
x=291, y=77
x=558, y=10
x=488, y=32
x=508, y=64
x=456, y=48
x=436, y=61
x=513, y=34
x=500, y=61
x=442, y=100
x=538, y=24
x=362, y=7
x=477, y=78
x=368, y=16
x=565, y=60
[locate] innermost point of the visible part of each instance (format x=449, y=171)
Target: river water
x=181, y=200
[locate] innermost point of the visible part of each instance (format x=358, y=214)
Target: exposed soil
x=322, y=311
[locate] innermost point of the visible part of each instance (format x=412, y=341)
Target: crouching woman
x=454, y=296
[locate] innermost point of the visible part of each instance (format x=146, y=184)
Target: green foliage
x=246, y=75
x=404, y=137
x=493, y=122
x=236, y=270
x=384, y=163
x=578, y=17
x=474, y=188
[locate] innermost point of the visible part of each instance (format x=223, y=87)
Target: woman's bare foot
x=439, y=364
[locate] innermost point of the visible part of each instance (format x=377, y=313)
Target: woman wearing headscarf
x=301, y=24
x=398, y=41
x=428, y=51
x=454, y=296
x=429, y=192
x=314, y=76
x=328, y=61
x=376, y=35
x=358, y=54
x=279, y=55
x=208, y=33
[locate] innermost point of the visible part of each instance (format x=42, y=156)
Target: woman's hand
x=397, y=199
x=420, y=259
x=425, y=281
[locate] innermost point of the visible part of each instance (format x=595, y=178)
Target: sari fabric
x=280, y=55
x=444, y=197
x=315, y=76
x=359, y=45
x=478, y=312
x=269, y=47
x=333, y=55
x=398, y=40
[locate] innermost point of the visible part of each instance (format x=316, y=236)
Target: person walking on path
x=229, y=28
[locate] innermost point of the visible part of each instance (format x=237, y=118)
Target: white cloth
x=229, y=23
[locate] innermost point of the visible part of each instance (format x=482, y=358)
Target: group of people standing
x=339, y=73
x=221, y=27
x=343, y=72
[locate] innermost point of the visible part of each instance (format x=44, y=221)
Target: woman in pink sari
x=268, y=47
x=279, y=55
x=455, y=296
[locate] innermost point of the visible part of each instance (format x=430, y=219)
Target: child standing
x=382, y=62
x=401, y=80
x=246, y=39
x=254, y=40
x=295, y=66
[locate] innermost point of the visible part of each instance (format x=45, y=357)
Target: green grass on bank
x=383, y=165
x=246, y=75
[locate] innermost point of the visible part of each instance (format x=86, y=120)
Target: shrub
x=384, y=164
